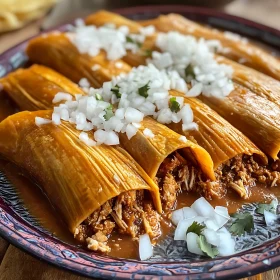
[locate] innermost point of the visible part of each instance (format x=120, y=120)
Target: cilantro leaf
x=271, y=207
x=148, y=52
x=243, y=222
x=108, y=112
x=189, y=71
x=206, y=247
x=195, y=227
x=116, y=91
x=143, y=91
x=174, y=105
x=98, y=96
x=131, y=40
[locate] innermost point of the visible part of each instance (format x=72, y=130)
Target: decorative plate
x=169, y=262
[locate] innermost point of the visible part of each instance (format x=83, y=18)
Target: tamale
x=149, y=153
x=255, y=116
x=61, y=55
x=77, y=179
x=233, y=47
x=23, y=86
x=255, y=81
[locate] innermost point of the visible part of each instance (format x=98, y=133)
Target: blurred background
x=20, y=19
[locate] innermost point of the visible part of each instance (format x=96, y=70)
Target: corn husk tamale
x=150, y=153
x=57, y=51
x=76, y=178
x=23, y=86
x=215, y=134
x=255, y=81
x=255, y=116
x=234, y=48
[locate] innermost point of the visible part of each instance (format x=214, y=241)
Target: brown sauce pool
x=122, y=246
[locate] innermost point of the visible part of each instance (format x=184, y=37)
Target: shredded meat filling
x=175, y=175
x=243, y=171
x=129, y=213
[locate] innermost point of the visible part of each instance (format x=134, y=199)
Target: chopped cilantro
x=98, y=96
x=108, y=112
x=143, y=91
x=196, y=227
x=271, y=207
x=206, y=247
x=189, y=71
x=116, y=91
x=174, y=105
x=148, y=52
x=130, y=40
x=243, y=222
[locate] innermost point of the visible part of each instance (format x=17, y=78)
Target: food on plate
x=148, y=125
x=93, y=189
x=234, y=46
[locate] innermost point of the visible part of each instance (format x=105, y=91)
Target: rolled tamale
x=255, y=81
x=61, y=55
x=86, y=185
x=255, y=116
x=23, y=86
x=151, y=153
x=234, y=48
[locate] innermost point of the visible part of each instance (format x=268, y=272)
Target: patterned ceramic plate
x=258, y=252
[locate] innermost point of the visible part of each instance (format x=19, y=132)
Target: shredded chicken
x=244, y=171
x=124, y=213
x=176, y=175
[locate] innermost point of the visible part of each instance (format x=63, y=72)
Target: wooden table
x=17, y=265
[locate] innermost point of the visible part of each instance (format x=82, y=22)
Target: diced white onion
x=269, y=217
x=203, y=208
x=148, y=133
x=177, y=216
x=56, y=119
x=40, y=121
x=211, y=236
x=62, y=96
x=145, y=247
x=192, y=244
